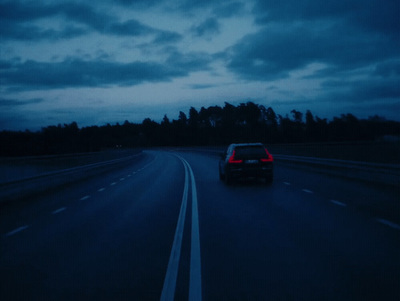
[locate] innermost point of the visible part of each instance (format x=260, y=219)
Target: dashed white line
x=388, y=223
x=101, y=189
x=338, y=203
x=85, y=197
x=15, y=231
x=129, y=176
x=59, y=210
x=122, y=179
x=113, y=183
x=307, y=191
x=286, y=183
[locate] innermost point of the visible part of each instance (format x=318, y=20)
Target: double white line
x=168, y=291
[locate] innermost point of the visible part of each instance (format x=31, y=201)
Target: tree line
x=210, y=126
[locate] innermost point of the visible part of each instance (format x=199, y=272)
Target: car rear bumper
x=243, y=170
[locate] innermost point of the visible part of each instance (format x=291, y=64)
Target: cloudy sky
x=107, y=61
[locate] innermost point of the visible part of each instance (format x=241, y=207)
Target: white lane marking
x=195, y=256
x=85, y=197
x=101, y=189
x=388, y=223
x=307, y=191
x=338, y=203
x=59, y=210
x=113, y=183
x=122, y=179
x=129, y=176
x=168, y=291
x=15, y=231
x=286, y=183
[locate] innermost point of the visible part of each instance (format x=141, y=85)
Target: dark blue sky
x=111, y=61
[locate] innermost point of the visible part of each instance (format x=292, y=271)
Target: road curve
x=166, y=228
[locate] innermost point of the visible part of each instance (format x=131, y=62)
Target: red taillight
x=269, y=157
x=233, y=160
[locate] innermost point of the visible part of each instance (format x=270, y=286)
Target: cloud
x=366, y=14
x=202, y=86
x=10, y=103
x=207, y=28
x=10, y=30
x=357, y=91
x=229, y=9
x=276, y=50
x=17, y=20
x=74, y=72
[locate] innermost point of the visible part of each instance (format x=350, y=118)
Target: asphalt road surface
x=166, y=228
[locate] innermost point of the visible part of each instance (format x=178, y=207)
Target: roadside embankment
x=22, y=177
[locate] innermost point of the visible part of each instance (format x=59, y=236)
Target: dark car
x=246, y=160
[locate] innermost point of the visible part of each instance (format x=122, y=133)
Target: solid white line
x=101, y=189
x=59, y=210
x=85, y=197
x=195, y=256
x=307, y=191
x=15, y=231
x=388, y=223
x=286, y=183
x=338, y=203
x=168, y=291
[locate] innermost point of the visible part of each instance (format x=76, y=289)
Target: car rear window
x=250, y=151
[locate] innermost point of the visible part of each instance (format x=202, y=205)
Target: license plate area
x=251, y=161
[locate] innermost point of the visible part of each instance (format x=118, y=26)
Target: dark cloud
x=201, y=86
x=17, y=22
x=207, y=28
x=372, y=15
x=228, y=9
x=8, y=30
x=388, y=69
x=275, y=51
x=80, y=73
x=137, y=3
x=166, y=37
x=18, y=11
x=9, y=103
x=129, y=28
x=357, y=91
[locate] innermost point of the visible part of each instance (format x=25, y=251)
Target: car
x=246, y=160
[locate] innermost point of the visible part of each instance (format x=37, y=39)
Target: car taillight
x=233, y=160
x=269, y=157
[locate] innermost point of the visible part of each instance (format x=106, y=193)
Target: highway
x=166, y=228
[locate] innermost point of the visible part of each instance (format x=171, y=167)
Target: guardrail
x=20, y=188
x=372, y=172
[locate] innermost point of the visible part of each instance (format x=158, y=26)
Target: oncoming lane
x=103, y=239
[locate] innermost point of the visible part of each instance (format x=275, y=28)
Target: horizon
x=111, y=61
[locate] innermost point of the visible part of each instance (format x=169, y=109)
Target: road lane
x=258, y=242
